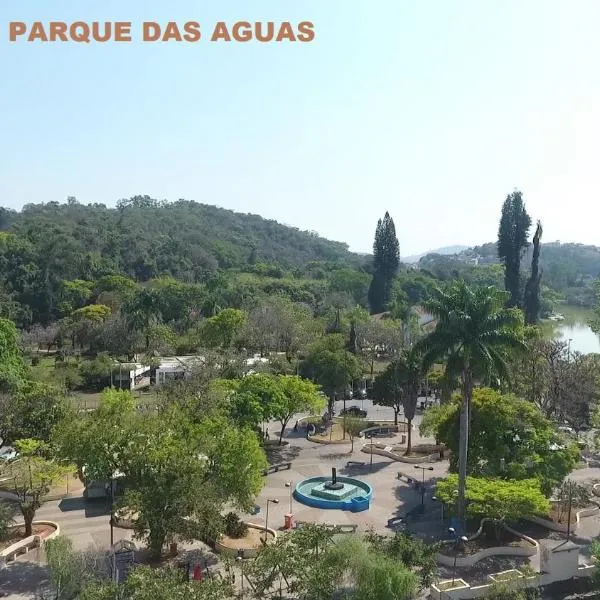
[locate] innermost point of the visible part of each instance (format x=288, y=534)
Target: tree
x=353, y=426
x=410, y=372
x=386, y=259
x=180, y=468
x=329, y=362
x=66, y=568
x=512, y=241
x=377, y=339
x=531, y=299
x=12, y=367
x=251, y=399
x=411, y=551
x=310, y=566
x=509, y=439
x=387, y=390
x=497, y=499
x=6, y=519
x=31, y=412
x=296, y=395
x=472, y=332
x=142, y=310
x=398, y=386
x=221, y=330
x=32, y=477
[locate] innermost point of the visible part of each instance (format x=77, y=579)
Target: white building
x=174, y=368
x=130, y=379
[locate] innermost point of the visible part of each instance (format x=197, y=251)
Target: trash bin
x=289, y=521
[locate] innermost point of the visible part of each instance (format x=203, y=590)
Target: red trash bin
x=289, y=521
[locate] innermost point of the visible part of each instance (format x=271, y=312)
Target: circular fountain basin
x=353, y=495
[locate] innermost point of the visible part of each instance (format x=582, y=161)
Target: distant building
x=426, y=321
x=124, y=377
x=174, y=368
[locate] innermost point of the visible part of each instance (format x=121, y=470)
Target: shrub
x=6, y=519
x=234, y=526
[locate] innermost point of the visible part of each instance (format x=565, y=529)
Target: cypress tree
x=531, y=300
x=386, y=260
x=512, y=241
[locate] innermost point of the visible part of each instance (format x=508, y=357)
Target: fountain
x=342, y=493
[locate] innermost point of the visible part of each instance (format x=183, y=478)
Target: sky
x=431, y=110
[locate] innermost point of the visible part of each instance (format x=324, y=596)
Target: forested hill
x=144, y=238
x=44, y=245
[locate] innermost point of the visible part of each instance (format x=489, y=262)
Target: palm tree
x=473, y=332
x=409, y=370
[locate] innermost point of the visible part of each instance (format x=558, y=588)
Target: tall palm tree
x=472, y=334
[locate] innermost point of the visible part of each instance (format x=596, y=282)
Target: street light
x=289, y=484
x=464, y=539
x=436, y=499
x=274, y=501
x=371, y=453
x=423, y=469
x=240, y=559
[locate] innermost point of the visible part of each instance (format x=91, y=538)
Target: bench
x=355, y=463
x=406, y=478
x=21, y=547
x=275, y=468
x=396, y=523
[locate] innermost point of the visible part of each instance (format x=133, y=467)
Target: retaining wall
x=246, y=552
x=531, y=549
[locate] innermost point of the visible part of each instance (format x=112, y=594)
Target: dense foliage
x=509, y=439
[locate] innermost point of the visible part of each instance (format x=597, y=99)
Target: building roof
x=180, y=362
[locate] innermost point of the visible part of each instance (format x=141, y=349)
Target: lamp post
x=289, y=484
x=436, y=499
x=423, y=469
x=274, y=501
x=371, y=453
x=112, y=505
x=458, y=540
x=240, y=560
x=569, y=350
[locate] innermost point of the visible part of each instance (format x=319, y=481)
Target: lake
x=575, y=327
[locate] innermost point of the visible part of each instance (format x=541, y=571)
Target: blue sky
x=433, y=110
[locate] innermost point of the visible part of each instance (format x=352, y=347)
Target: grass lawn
x=46, y=372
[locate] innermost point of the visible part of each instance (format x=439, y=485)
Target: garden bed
x=17, y=534
x=250, y=544
x=484, y=544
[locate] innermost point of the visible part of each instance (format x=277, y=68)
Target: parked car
x=354, y=411
x=8, y=453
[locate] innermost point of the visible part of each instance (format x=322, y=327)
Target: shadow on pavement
x=24, y=578
x=92, y=508
x=279, y=454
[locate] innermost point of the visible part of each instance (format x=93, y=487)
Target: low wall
x=531, y=549
x=29, y=543
x=412, y=460
x=564, y=527
x=246, y=552
x=461, y=590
